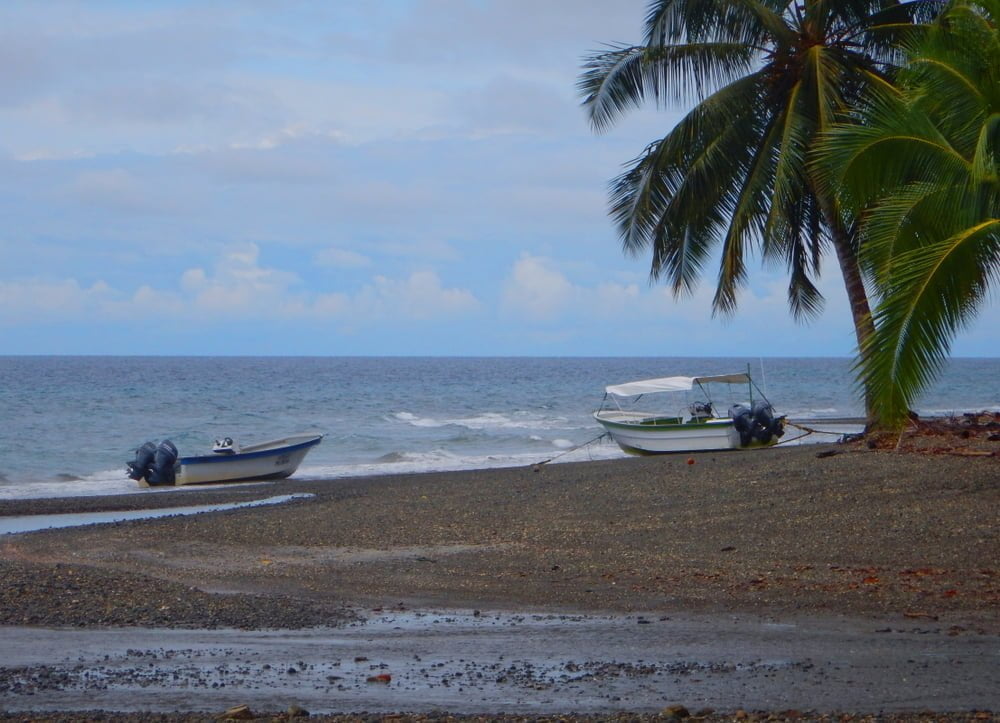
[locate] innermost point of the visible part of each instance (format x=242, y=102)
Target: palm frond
x=652, y=183
x=748, y=220
x=612, y=83
x=803, y=246
x=894, y=225
x=749, y=22
x=624, y=77
x=986, y=159
x=933, y=292
x=682, y=73
x=789, y=173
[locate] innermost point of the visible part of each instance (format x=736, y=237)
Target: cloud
x=545, y=296
x=120, y=190
x=420, y=296
x=213, y=76
x=237, y=288
x=508, y=105
x=38, y=299
x=421, y=248
x=529, y=34
x=537, y=292
x=334, y=165
x=342, y=258
x=240, y=286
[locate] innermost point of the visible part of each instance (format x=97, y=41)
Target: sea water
x=69, y=424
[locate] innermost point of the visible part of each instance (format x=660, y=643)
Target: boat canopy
x=673, y=384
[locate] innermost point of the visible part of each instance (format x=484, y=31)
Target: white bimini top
x=672, y=384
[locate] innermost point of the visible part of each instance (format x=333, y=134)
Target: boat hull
x=267, y=461
x=643, y=434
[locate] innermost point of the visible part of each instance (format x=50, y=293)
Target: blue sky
x=359, y=177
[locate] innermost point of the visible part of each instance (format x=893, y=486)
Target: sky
x=358, y=177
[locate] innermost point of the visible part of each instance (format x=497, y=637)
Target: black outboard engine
x=757, y=423
x=162, y=471
x=139, y=467
x=743, y=422
x=765, y=426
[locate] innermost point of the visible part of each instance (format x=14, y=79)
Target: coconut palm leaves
x=921, y=167
x=766, y=78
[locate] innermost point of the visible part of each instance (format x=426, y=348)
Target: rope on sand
x=571, y=449
x=808, y=431
x=794, y=439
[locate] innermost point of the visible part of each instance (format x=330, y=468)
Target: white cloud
x=616, y=299
x=237, y=288
x=420, y=296
x=536, y=291
x=553, y=307
x=340, y=258
x=35, y=299
x=241, y=285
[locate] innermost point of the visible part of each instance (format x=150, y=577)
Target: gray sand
x=866, y=545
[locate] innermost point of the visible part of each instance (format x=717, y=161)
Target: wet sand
x=887, y=544
x=471, y=664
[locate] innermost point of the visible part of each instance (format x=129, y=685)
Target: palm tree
x=922, y=167
x=767, y=78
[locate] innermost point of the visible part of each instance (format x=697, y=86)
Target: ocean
x=69, y=424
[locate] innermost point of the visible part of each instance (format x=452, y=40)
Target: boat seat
x=658, y=421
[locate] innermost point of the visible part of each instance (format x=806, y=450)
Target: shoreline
x=896, y=543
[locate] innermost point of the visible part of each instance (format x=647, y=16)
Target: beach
x=869, y=541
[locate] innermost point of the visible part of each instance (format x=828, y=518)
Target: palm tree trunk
x=857, y=296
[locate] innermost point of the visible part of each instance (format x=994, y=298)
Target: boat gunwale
x=217, y=458
x=717, y=423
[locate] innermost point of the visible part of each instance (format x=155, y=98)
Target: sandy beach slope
x=904, y=544
x=777, y=531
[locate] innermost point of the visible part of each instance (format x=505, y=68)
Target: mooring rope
x=571, y=449
x=808, y=431
x=793, y=439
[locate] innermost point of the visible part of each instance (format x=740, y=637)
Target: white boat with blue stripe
x=156, y=465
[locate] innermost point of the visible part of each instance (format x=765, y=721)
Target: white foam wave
x=443, y=461
x=487, y=420
x=107, y=482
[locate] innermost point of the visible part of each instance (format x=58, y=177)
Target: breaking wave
x=487, y=421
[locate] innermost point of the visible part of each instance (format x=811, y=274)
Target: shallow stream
x=30, y=523
x=490, y=662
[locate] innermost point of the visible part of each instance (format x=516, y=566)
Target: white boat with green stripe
x=691, y=426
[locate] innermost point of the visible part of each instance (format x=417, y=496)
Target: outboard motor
x=743, y=422
x=765, y=426
x=162, y=471
x=139, y=467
